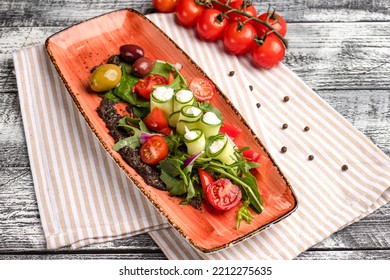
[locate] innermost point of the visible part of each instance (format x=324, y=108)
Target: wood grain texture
x=57, y=13
x=340, y=48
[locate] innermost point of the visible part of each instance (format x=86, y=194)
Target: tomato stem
x=265, y=23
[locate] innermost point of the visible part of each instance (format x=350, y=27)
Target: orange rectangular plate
x=75, y=50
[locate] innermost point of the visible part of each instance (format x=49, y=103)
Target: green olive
x=105, y=77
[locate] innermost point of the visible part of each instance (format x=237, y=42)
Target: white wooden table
x=340, y=48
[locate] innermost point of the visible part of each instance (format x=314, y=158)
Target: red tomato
x=202, y=88
x=269, y=53
x=239, y=39
x=250, y=10
x=251, y=155
x=171, y=78
x=210, y=25
x=145, y=86
x=188, y=12
x=156, y=121
x=205, y=178
x=222, y=8
x=165, y=6
x=275, y=20
x=230, y=130
x=154, y=150
x=223, y=195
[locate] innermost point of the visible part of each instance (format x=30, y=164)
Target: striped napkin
x=84, y=198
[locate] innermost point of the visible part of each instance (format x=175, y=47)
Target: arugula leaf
x=171, y=166
x=111, y=96
x=162, y=68
x=174, y=185
x=176, y=84
x=141, y=112
x=132, y=142
x=244, y=213
x=126, y=120
x=124, y=90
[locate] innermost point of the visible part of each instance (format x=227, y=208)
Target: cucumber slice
x=194, y=140
x=210, y=124
x=173, y=118
x=189, y=116
x=183, y=98
x=162, y=98
x=222, y=149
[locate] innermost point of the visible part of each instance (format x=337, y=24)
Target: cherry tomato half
x=154, y=150
x=145, y=86
x=210, y=25
x=239, y=39
x=202, y=88
x=223, y=195
x=205, y=178
x=165, y=6
x=157, y=122
x=275, y=20
x=188, y=12
x=270, y=53
x=250, y=10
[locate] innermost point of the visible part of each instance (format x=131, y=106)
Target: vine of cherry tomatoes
x=236, y=23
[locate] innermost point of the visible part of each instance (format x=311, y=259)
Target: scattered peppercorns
x=286, y=99
x=344, y=167
x=306, y=128
x=283, y=149
x=258, y=105
x=311, y=157
x=231, y=73
x=250, y=87
x=284, y=126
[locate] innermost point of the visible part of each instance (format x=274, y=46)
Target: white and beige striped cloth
x=84, y=198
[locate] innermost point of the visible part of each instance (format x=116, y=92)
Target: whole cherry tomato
x=211, y=24
x=238, y=39
x=202, y=88
x=223, y=194
x=275, y=20
x=188, y=12
x=165, y=6
x=250, y=10
x=145, y=86
x=268, y=53
x=154, y=150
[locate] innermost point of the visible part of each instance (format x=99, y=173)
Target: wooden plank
x=346, y=255
x=57, y=13
x=81, y=256
x=308, y=255
x=323, y=54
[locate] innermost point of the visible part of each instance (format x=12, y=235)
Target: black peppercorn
x=284, y=126
x=311, y=157
x=250, y=87
x=231, y=73
x=306, y=128
x=286, y=99
x=344, y=167
x=283, y=149
x=258, y=105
